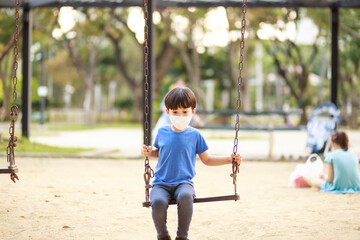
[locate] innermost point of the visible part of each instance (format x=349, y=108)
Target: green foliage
x=77, y=127
x=124, y=103
x=214, y=61
x=25, y=146
x=7, y=29
x=215, y=66
x=321, y=18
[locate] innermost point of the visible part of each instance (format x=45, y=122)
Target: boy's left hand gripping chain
x=149, y=173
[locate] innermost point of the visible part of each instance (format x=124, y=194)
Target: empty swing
x=12, y=169
x=149, y=172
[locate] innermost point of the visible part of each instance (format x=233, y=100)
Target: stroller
x=321, y=124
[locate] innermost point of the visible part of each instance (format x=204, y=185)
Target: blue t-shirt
x=346, y=172
x=177, y=155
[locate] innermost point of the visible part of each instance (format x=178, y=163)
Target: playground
x=99, y=194
x=78, y=198
x=93, y=196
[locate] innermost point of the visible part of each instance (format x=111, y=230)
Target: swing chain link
x=235, y=165
x=14, y=110
x=149, y=172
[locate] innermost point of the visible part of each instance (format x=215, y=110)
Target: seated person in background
x=341, y=172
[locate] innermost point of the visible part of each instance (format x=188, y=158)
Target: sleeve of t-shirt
x=329, y=158
x=156, y=143
x=201, y=145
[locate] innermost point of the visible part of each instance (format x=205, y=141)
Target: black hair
x=180, y=97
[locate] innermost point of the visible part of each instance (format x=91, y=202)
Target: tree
x=234, y=18
x=7, y=43
x=129, y=55
x=350, y=65
x=349, y=58
x=293, y=62
x=188, y=46
x=84, y=46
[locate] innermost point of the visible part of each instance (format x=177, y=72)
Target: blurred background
x=87, y=65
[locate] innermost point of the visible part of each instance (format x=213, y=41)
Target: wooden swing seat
x=234, y=197
x=8, y=170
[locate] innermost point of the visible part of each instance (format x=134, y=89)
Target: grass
x=25, y=146
x=78, y=127
x=239, y=137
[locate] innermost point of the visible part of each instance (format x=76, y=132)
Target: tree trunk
x=138, y=108
x=164, y=61
x=246, y=97
x=233, y=70
x=192, y=65
x=89, y=102
x=6, y=96
x=4, y=75
x=354, y=101
x=344, y=97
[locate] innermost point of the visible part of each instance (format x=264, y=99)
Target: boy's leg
x=184, y=195
x=159, y=197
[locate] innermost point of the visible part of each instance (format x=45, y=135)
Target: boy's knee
x=185, y=198
x=159, y=204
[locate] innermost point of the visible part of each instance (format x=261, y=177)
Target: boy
x=176, y=147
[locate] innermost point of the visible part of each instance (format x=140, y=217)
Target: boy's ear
x=167, y=111
x=194, y=111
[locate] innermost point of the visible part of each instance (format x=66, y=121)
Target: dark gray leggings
x=160, y=195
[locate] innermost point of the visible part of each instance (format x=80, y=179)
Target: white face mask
x=180, y=122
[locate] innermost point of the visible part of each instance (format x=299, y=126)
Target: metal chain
x=149, y=172
x=14, y=110
x=235, y=165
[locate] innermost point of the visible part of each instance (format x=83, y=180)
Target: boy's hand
x=237, y=157
x=146, y=151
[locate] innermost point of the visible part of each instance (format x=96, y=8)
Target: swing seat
x=234, y=197
x=9, y=170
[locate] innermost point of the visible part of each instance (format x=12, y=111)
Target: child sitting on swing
x=176, y=147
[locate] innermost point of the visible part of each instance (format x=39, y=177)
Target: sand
x=101, y=199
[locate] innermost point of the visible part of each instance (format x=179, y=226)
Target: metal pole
x=334, y=54
x=42, y=84
x=151, y=61
x=26, y=87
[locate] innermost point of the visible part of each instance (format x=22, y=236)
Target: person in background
x=341, y=170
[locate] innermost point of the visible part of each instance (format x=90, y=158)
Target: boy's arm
x=212, y=160
x=147, y=151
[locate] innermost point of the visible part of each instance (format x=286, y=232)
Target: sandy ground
x=101, y=199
